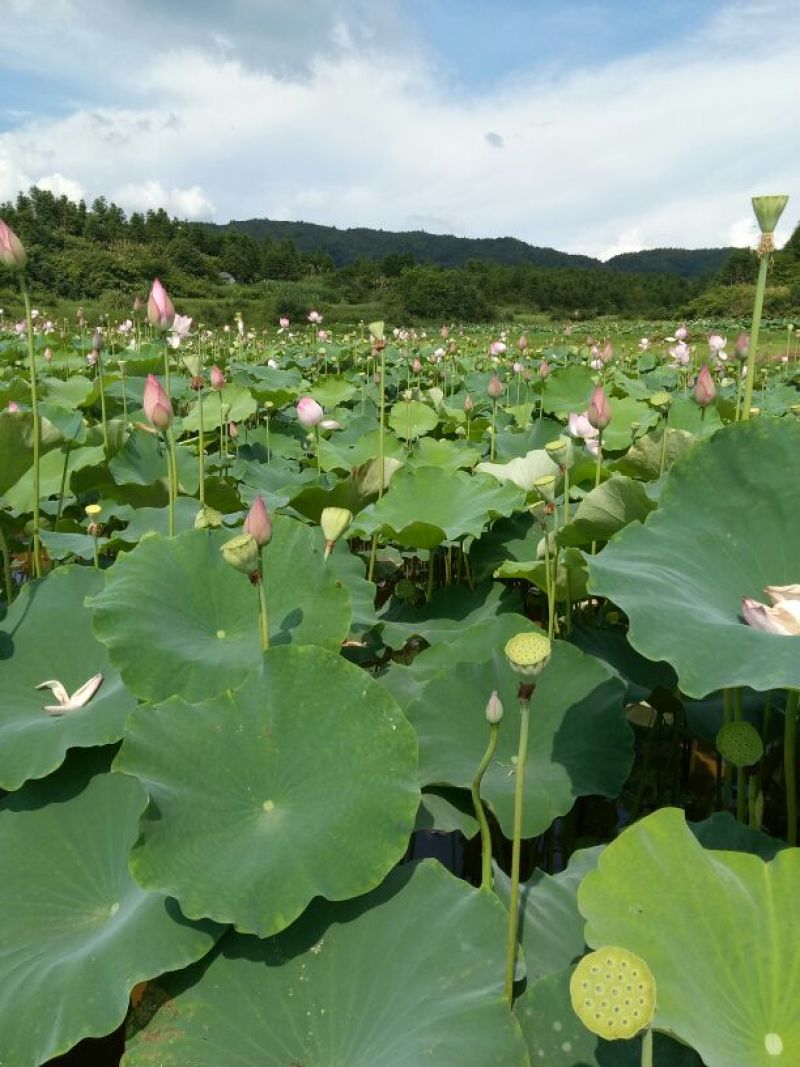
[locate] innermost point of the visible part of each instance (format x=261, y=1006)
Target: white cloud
x=58, y=185
x=658, y=149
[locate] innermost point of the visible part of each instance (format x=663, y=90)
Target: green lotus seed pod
x=561, y=452
x=405, y=589
x=546, y=488
x=207, y=518
x=191, y=362
x=768, y=210
x=740, y=744
x=528, y=654
x=376, y=331
x=242, y=553
x=613, y=993
x=660, y=400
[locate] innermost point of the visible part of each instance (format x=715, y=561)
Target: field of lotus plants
x=385, y=697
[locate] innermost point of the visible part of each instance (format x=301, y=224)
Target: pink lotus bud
x=517, y=368
x=468, y=403
x=495, y=387
x=544, y=369
x=522, y=343
x=12, y=406
x=97, y=339
x=217, y=378
x=705, y=390
x=497, y=348
x=416, y=366
x=742, y=347
x=680, y=333
x=323, y=335
x=258, y=523
x=444, y=333
x=137, y=304
x=606, y=352
x=91, y=358
x=314, y=317
x=309, y=412
x=717, y=343
x=156, y=404
x=160, y=310
x=12, y=251
x=233, y=431
x=48, y=354
x=599, y=410
x=283, y=322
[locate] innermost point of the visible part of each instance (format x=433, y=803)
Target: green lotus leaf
x=629, y=417
x=686, y=414
x=725, y=528
x=332, y=391
x=449, y=455
x=727, y=974
x=447, y=811
x=512, y=443
x=523, y=471
x=237, y=405
x=516, y=538
x=69, y=393
x=47, y=634
x=51, y=472
x=450, y=611
x=568, y=389
x=16, y=444
x=571, y=575
x=177, y=619
x=643, y=460
x=580, y=741
x=77, y=932
x=411, y=419
x=606, y=509
x=409, y=974
x=302, y=782
x=340, y=453
x=426, y=506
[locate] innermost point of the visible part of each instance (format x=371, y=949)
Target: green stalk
x=480, y=812
x=103, y=403
x=37, y=429
x=758, y=304
x=752, y=797
x=201, y=448
x=263, y=625
x=790, y=764
x=491, y=443
x=664, y=444
x=381, y=427
x=319, y=466
x=221, y=433
x=738, y=711
x=172, y=464
x=124, y=394
x=95, y=551
x=166, y=366
x=525, y=693
x=647, y=1048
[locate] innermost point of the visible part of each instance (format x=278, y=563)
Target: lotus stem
x=166, y=366
x=37, y=429
x=664, y=438
x=487, y=881
x=172, y=478
x=222, y=455
x=101, y=380
x=263, y=623
x=201, y=448
x=9, y=587
x=647, y=1048
x=494, y=430
x=790, y=765
x=319, y=464
x=525, y=693
x=752, y=799
x=372, y=553
x=758, y=304
x=738, y=715
x=381, y=427
x=124, y=393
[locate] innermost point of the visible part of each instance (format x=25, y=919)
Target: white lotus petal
x=57, y=689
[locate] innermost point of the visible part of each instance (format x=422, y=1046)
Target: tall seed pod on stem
x=768, y=210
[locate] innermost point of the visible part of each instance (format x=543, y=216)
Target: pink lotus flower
x=91, y=358
x=12, y=406
x=596, y=363
x=705, y=390
x=681, y=332
x=495, y=388
x=217, y=378
x=309, y=412
x=681, y=353
x=444, y=333
x=323, y=335
x=782, y=617
x=607, y=352
x=544, y=369
x=517, y=368
x=314, y=317
x=156, y=404
x=717, y=343
x=181, y=325
x=160, y=310
x=283, y=322
x=644, y=344
x=599, y=410
x=12, y=251
x=497, y=348
x=258, y=522
x=416, y=366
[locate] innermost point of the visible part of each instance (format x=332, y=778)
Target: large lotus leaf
x=628, y=417
x=450, y=611
x=16, y=444
x=411, y=419
x=523, y=471
x=68, y=393
x=410, y=974
x=77, y=932
x=47, y=634
x=686, y=414
x=510, y=444
x=725, y=528
x=301, y=783
x=643, y=460
x=605, y=510
x=426, y=506
x=237, y=405
x=516, y=538
x=449, y=455
x=341, y=453
x=580, y=741
x=51, y=472
x=332, y=391
x=719, y=931
x=611, y=645
x=177, y=619
x=571, y=574
x=568, y=389
x=277, y=481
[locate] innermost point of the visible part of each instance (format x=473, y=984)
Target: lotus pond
x=374, y=698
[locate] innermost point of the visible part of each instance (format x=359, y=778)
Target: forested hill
x=349, y=245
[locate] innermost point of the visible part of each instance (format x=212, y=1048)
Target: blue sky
x=590, y=125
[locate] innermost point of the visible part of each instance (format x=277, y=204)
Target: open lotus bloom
x=781, y=617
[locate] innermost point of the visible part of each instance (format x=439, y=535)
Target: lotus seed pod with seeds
x=561, y=452
x=207, y=519
x=768, y=211
x=528, y=654
x=376, y=330
x=740, y=744
x=546, y=488
x=660, y=400
x=613, y=993
x=242, y=553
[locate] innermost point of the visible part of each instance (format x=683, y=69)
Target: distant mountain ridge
x=347, y=245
